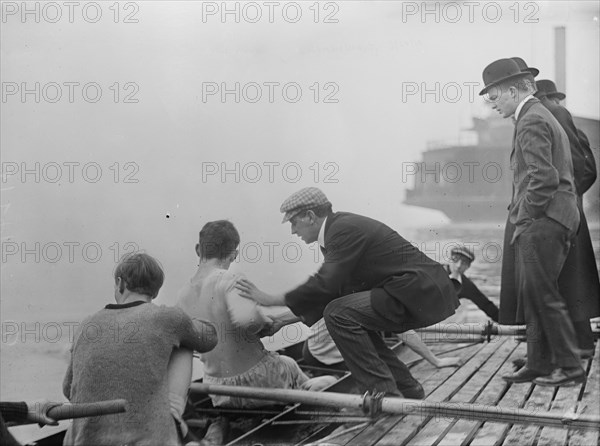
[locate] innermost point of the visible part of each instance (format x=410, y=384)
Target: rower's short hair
x=218, y=239
x=140, y=273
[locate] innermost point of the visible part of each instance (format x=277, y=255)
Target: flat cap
x=303, y=200
x=463, y=251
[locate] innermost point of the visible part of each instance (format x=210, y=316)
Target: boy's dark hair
x=218, y=239
x=140, y=273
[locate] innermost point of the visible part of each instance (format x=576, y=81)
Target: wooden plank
x=444, y=389
x=436, y=429
x=464, y=430
x=493, y=433
x=566, y=400
x=523, y=435
x=425, y=373
x=589, y=403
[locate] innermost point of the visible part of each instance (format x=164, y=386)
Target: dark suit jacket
x=578, y=281
x=407, y=287
x=584, y=165
x=543, y=171
x=590, y=173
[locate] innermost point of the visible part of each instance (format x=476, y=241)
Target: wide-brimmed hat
x=545, y=87
x=500, y=71
x=303, y=200
x=523, y=66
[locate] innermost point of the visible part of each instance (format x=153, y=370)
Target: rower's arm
x=283, y=315
x=413, y=340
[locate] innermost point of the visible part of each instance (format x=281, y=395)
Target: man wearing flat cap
x=544, y=213
x=578, y=281
x=371, y=280
x=462, y=257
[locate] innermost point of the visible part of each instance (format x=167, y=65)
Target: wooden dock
x=480, y=381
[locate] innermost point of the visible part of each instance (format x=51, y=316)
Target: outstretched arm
x=180, y=377
x=412, y=339
x=21, y=412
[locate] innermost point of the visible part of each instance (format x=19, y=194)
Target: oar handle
x=67, y=410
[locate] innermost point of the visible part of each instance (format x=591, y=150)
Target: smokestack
x=560, y=58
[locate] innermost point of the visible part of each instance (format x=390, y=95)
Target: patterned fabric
x=304, y=199
x=273, y=371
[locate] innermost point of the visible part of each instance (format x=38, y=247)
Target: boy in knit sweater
x=123, y=351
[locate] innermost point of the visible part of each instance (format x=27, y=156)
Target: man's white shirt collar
x=321, y=236
x=521, y=104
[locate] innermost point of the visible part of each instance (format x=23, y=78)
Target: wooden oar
x=477, y=330
x=66, y=411
x=401, y=406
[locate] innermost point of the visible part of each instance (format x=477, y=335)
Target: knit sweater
x=123, y=351
x=14, y=411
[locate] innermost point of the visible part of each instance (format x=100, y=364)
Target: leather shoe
x=519, y=363
x=522, y=376
x=562, y=377
x=414, y=392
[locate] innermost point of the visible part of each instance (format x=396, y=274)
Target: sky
x=129, y=125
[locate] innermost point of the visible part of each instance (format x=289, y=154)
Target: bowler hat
x=303, y=200
x=523, y=66
x=547, y=88
x=499, y=71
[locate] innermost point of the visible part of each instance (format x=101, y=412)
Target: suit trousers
x=355, y=327
x=541, y=251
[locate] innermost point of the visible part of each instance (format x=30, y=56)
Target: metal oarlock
x=371, y=404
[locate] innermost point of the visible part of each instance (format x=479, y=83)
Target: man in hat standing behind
x=578, y=280
x=544, y=212
x=371, y=280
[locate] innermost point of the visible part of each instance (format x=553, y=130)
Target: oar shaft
x=403, y=406
x=480, y=412
x=67, y=411
x=328, y=399
x=474, y=330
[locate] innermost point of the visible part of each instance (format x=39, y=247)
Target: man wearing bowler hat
x=544, y=213
x=508, y=282
x=578, y=281
x=371, y=280
x=547, y=89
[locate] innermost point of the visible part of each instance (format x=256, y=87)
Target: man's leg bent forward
x=354, y=327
